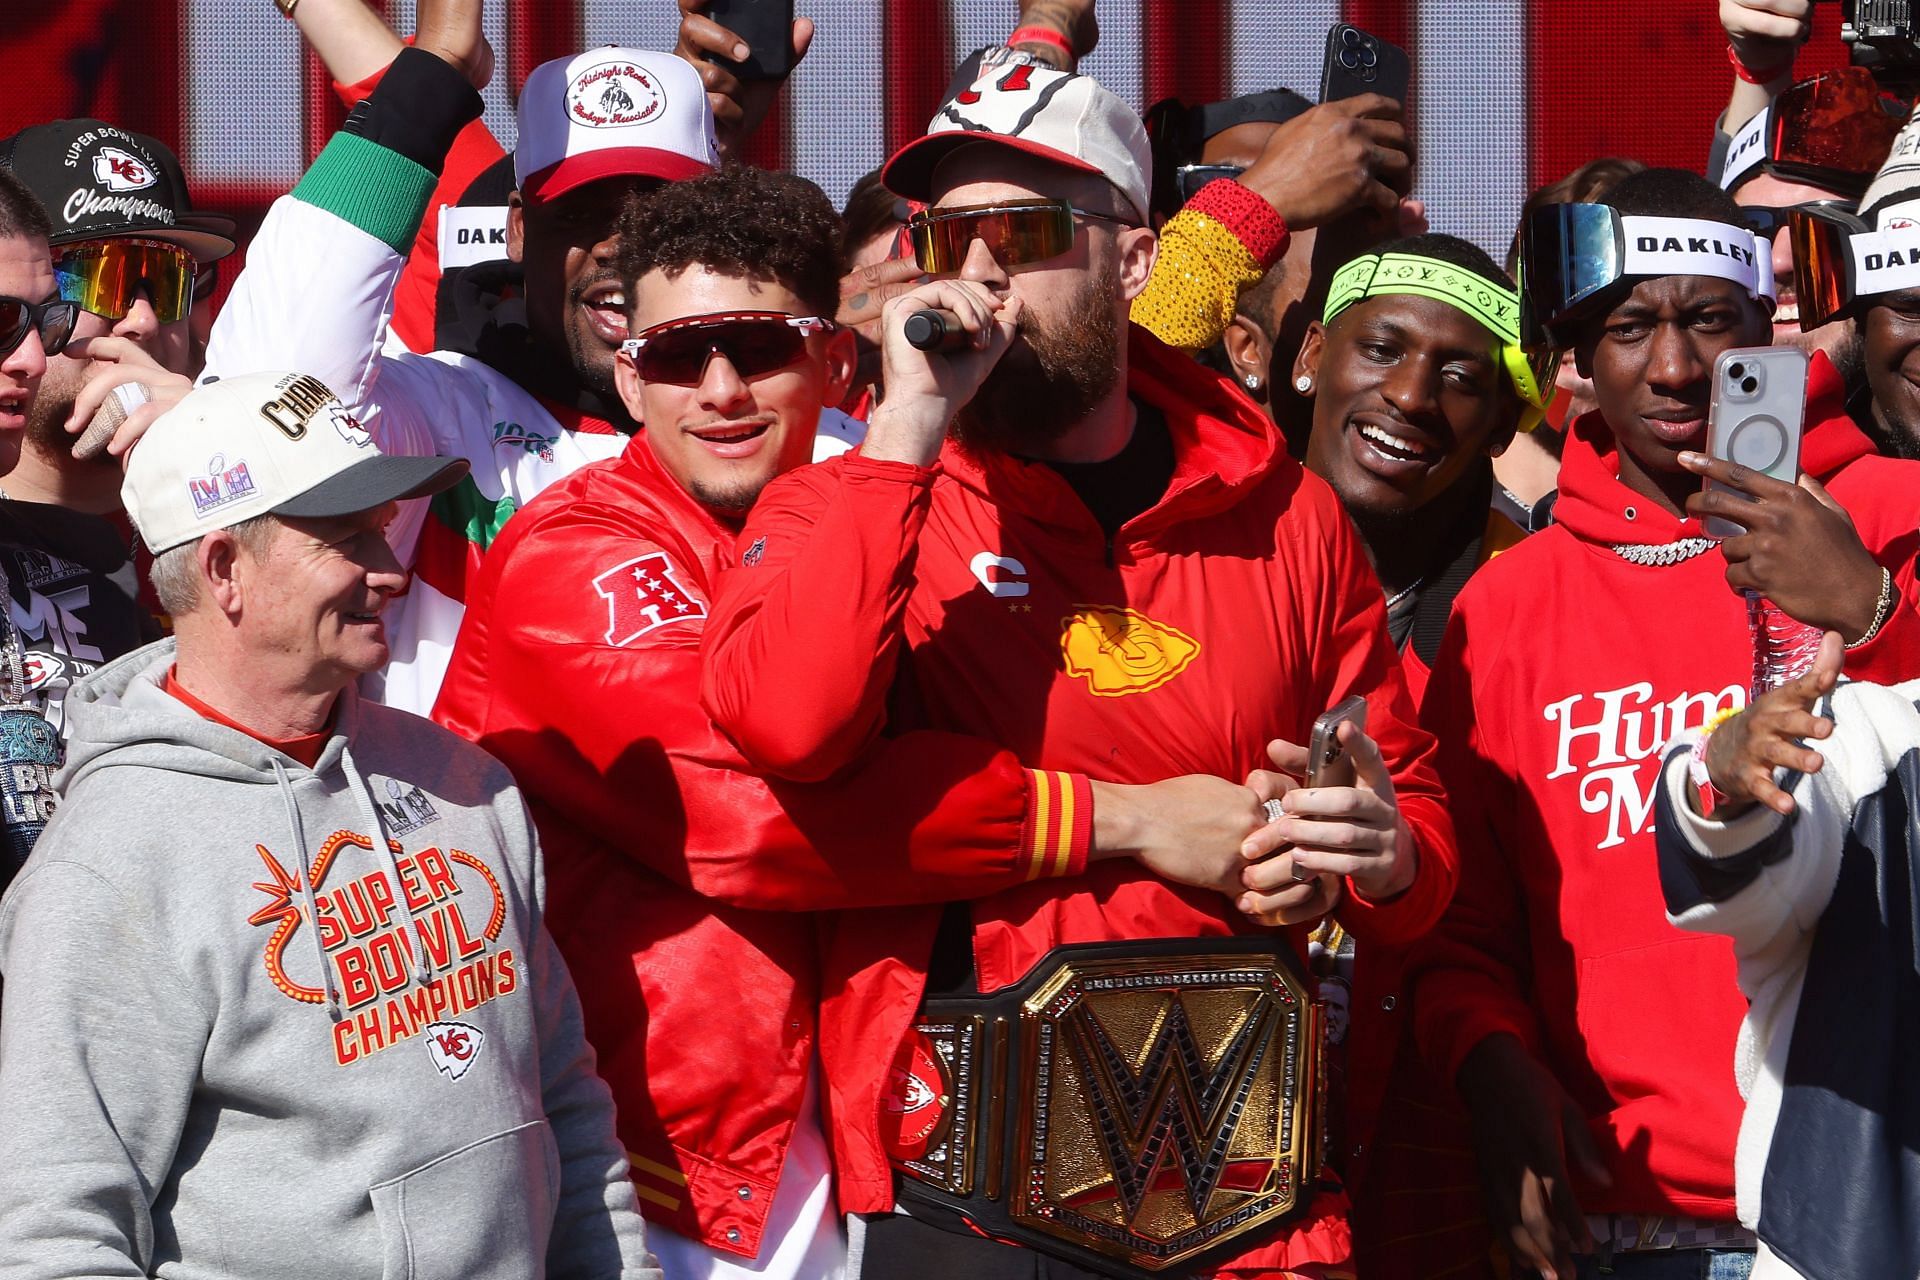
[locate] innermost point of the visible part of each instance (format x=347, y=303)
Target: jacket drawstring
x=298, y=832
x=382, y=850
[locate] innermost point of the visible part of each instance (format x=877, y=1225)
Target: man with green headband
x=1417, y=381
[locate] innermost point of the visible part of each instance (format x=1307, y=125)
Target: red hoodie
x=1236, y=610
x=1566, y=669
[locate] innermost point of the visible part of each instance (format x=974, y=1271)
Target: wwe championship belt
x=1138, y=1107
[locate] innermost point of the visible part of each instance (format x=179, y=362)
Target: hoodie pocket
x=483, y=1212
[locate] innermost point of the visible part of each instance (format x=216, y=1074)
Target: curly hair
x=767, y=226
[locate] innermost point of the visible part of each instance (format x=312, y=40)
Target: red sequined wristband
x=1040, y=35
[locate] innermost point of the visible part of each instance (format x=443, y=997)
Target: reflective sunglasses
x=1839, y=262
x=1016, y=232
x=54, y=319
x=754, y=343
x=1189, y=178
x=107, y=277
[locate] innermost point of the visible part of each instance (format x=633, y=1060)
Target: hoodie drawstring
x=382, y=850
x=305, y=876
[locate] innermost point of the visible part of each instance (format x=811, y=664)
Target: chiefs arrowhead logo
x=914, y=1108
x=1121, y=651
x=453, y=1046
x=121, y=171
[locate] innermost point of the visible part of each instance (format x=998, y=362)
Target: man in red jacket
x=1112, y=566
x=1592, y=1042
x=679, y=883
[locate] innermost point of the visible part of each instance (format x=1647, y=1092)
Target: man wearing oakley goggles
x=130, y=252
x=1111, y=566
x=1590, y=1040
x=538, y=400
x=586, y=626
x=1863, y=273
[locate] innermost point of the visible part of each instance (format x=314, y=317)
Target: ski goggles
x=107, y=277
x=1493, y=305
x=1839, y=261
x=754, y=343
x=1573, y=257
x=54, y=319
x=1834, y=130
x=1016, y=232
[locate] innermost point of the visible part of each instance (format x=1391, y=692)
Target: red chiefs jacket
x=982, y=592
x=1566, y=670
x=677, y=883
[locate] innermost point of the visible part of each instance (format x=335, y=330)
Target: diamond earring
x=1253, y=381
x=1303, y=384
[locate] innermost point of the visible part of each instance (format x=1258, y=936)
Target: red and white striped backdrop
x=1508, y=93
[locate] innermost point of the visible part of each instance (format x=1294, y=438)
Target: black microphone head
x=924, y=330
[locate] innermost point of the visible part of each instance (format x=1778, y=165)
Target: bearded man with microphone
x=1066, y=538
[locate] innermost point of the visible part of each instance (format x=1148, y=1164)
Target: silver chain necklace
x=1405, y=591
x=1660, y=554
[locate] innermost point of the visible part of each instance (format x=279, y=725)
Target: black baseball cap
x=101, y=182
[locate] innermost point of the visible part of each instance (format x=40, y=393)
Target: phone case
x=767, y=27
x=1358, y=63
x=1758, y=407
x=1328, y=764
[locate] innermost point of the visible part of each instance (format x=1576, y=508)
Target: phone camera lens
x=1350, y=36
x=1736, y=371
x=1369, y=57
x=1750, y=385
x=1348, y=61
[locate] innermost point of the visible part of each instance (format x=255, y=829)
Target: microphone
x=933, y=330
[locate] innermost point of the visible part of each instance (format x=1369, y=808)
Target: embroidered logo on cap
x=348, y=426
x=612, y=94
x=221, y=485
x=119, y=171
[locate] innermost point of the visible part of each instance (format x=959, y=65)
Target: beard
x=1051, y=378
x=46, y=433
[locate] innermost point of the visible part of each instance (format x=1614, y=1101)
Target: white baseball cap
x=260, y=444
x=1057, y=115
x=611, y=113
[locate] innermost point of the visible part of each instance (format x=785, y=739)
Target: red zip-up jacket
x=678, y=884
x=982, y=594
x=1565, y=672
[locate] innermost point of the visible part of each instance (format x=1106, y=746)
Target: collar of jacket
x=1595, y=506
x=1223, y=447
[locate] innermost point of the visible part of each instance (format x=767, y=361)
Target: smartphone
x=1328, y=764
x=1359, y=63
x=767, y=28
x=1758, y=406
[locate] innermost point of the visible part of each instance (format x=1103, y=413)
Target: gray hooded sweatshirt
x=246, y=1037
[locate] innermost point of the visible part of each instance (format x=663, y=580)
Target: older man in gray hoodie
x=280, y=1001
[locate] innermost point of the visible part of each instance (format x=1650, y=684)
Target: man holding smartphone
x=1591, y=1041
x=1071, y=576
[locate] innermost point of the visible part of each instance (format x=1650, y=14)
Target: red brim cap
x=556, y=180
x=910, y=172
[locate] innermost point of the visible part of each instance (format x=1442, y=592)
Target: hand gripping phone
x=1328, y=764
x=767, y=28
x=1358, y=63
x=1758, y=406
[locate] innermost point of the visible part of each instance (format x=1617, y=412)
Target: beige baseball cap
x=1061, y=116
x=264, y=444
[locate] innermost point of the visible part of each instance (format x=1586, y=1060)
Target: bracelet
x=1034, y=34
x=1710, y=797
x=1757, y=76
x=1882, y=609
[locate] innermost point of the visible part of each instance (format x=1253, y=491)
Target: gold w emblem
x=1173, y=1104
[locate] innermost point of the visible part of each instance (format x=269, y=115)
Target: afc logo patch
x=644, y=594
